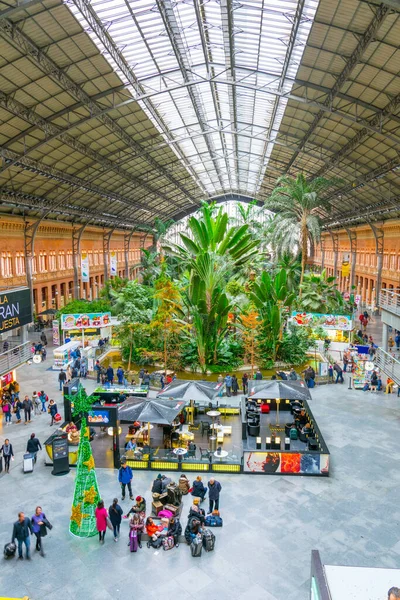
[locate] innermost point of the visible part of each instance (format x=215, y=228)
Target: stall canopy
x=198, y=391
x=290, y=390
x=149, y=410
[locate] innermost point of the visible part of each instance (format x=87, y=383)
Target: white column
x=384, y=337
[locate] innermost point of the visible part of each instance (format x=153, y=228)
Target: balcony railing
x=390, y=300
x=388, y=364
x=14, y=357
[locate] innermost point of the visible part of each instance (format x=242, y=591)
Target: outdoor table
x=222, y=454
x=179, y=452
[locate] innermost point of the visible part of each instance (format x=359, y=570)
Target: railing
x=390, y=301
x=318, y=584
x=14, y=357
x=388, y=364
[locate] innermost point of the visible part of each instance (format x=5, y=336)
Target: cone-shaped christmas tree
x=86, y=495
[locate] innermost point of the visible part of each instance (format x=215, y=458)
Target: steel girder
x=60, y=76
x=46, y=171
x=96, y=25
x=168, y=16
x=365, y=39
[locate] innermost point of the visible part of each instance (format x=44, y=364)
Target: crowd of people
x=16, y=409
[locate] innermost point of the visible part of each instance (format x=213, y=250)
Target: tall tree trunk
x=165, y=353
x=130, y=351
x=252, y=356
x=303, y=250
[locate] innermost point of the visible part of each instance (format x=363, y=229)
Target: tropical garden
x=222, y=296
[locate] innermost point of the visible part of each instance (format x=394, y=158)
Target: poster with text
x=85, y=267
x=341, y=322
x=113, y=264
x=56, y=333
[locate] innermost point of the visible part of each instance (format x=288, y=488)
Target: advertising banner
x=102, y=416
x=345, y=269
x=56, y=333
x=286, y=462
x=6, y=379
x=343, y=322
x=86, y=320
x=85, y=267
x=113, y=263
x=15, y=309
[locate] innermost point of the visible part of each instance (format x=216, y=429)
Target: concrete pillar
x=353, y=269
x=385, y=336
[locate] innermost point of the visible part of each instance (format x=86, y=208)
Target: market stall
x=87, y=328
x=337, y=328
x=115, y=394
x=62, y=355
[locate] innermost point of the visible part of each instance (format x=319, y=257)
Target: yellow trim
x=195, y=466
x=160, y=465
x=137, y=464
x=226, y=468
x=4, y=598
x=229, y=411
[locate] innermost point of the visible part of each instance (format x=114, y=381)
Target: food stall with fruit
x=88, y=328
x=337, y=328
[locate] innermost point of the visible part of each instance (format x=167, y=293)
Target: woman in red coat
x=101, y=520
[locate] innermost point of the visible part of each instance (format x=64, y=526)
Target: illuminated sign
x=15, y=309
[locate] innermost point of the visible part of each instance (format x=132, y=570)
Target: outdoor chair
x=204, y=454
x=205, y=426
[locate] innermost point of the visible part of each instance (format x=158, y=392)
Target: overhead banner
x=15, y=309
x=56, y=333
x=343, y=322
x=85, y=267
x=113, y=264
x=84, y=321
x=345, y=269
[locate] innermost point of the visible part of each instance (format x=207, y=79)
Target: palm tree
x=296, y=202
x=292, y=266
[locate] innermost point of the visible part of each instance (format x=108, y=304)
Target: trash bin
x=213, y=443
x=28, y=463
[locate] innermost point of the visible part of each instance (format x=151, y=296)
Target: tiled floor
x=271, y=523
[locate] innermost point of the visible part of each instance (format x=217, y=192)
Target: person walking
x=33, y=446
x=397, y=340
x=228, y=385
x=7, y=451
x=52, y=410
x=110, y=375
x=258, y=375
x=43, y=399
x=7, y=408
x=28, y=406
x=339, y=372
x=146, y=378
x=235, y=385
x=141, y=375
x=21, y=532
x=125, y=478
x=39, y=528
x=43, y=338
x=62, y=378
x=115, y=513
x=292, y=375
x=120, y=375
x=97, y=369
x=101, y=520
x=245, y=383
x=18, y=406
x=214, y=490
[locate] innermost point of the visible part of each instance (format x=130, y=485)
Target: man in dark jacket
x=21, y=532
x=125, y=478
x=62, y=378
x=110, y=374
x=339, y=372
x=28, y=406
x=214, y=489
x=157, y=485
x=33, y=446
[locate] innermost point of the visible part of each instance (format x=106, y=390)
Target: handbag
x=109, y=524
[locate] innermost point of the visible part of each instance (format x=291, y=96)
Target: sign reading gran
x=15, y=309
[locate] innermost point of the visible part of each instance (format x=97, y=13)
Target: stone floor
x=271, y=523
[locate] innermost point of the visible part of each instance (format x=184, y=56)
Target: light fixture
x=110, y=430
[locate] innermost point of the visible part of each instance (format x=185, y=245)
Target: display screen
x=60, y=448
x=84, y=321
x=102, y=416
x=311, y=463
x=15, y=309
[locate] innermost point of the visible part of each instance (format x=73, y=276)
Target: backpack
x=213, y=521
x=157, y=543
x=208, y=540
x=168, y=542
x=293, y=434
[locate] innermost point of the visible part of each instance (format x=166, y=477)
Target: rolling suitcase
x=208, y=540
x=9, y=550
x=168, y=542
x=196, y=546
x=133, y=546
x=28, y=463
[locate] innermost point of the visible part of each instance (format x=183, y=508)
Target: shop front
x=336, y=328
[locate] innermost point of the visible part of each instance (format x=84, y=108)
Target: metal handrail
x=389, y=300
x=14, y=357
x=388, y=364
